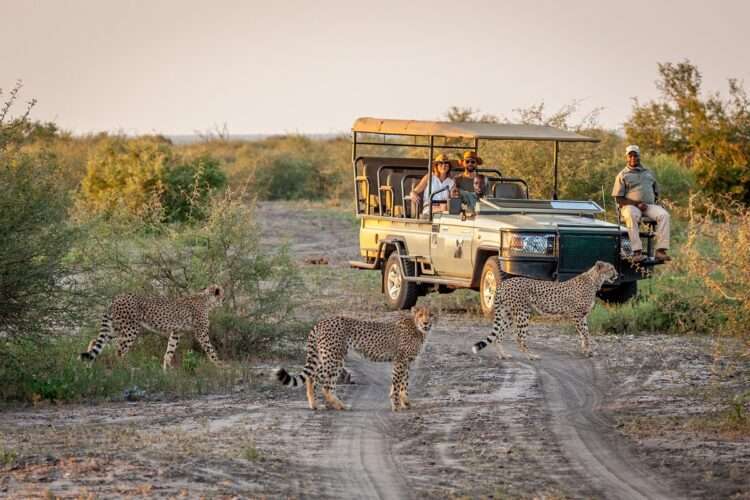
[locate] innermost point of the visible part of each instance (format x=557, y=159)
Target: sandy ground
x=624, y=424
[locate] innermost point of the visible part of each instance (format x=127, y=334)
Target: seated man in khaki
x=636, y=193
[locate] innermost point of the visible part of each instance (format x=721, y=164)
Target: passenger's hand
x=642, y=207
x=454, y=192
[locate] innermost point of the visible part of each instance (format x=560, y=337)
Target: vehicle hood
x=538, y=221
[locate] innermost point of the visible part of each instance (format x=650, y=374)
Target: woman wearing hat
x=441, y=181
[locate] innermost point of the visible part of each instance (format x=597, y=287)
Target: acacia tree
x=709, y=134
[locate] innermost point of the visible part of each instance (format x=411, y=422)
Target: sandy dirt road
x=560, y=427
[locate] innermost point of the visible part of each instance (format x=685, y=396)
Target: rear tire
x=488, y=283
x=620, y=294
x=399, y=294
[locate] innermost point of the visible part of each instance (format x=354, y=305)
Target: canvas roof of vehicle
x=467, y=130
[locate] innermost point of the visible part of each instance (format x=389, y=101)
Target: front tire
x=399, y=293
x=488, y=283
x=620, y=294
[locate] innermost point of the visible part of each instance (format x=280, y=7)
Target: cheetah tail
x=483, y=343
x=289, y=380
x=95, y=346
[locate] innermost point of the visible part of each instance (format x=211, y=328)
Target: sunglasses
x=470, y=162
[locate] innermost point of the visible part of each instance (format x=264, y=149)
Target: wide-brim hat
x=441, y=158
x=472, y=154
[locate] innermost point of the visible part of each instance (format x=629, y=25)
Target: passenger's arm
x=420, y=186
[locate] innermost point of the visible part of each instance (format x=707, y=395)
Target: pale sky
x=177, y=67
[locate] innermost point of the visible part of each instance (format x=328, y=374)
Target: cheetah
x=399, y=342
x=515, y=298
x=129, y=313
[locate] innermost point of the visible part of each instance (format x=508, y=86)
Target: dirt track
x=561, y=427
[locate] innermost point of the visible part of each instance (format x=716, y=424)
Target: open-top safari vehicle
x=506, y=233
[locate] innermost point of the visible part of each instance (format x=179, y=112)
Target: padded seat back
x=508, y=190
x=368, y=190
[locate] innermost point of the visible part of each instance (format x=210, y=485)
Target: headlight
x=625, y=246
x=531, y=244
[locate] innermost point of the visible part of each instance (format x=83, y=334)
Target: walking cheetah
x=515, y=298
x=129, y=313
x=399, y=342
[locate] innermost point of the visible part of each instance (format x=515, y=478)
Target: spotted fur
x=129, y=314
x=398, y=342
x=516, y=298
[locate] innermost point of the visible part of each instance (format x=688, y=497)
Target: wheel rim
x=489, y=288
x=393, y=282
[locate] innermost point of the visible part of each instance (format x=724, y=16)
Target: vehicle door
x=450, y=245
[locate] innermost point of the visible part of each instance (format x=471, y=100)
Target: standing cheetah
x=399, y=342
x=516, y=298
x=129, y=313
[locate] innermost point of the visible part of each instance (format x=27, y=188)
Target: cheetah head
x=422, y=319
x=215, y=294
x=607, y=271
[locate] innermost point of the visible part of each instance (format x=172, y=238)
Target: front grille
x=580, y=250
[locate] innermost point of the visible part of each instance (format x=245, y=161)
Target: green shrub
x=157, y=258
x=125, y=175
x=144, y=177
x=290, y=178
x=676, y=182
x=188, y=186
x=671, y=304
x=34, y=294
x=49, y=369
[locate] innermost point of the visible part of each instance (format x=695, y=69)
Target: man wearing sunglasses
x=470, y=162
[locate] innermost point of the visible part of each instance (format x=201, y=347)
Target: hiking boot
x=661, y=256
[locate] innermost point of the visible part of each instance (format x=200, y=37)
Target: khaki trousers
x=632, y=216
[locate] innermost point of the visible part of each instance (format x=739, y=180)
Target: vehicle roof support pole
x=554, y=160
x=429, y=175
x=476, y=147
x=354, y=168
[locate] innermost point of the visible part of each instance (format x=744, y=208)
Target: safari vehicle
x=507, y=233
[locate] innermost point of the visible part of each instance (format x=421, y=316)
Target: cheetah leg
x=126, y=339
x=583, y=331
x=503, y=321
x=522, y=329
x=403, y=393
x=329, y=370
x=208, y=348
x=174, y=340
x=330, y=396
x=399, y=379
x=310, y=386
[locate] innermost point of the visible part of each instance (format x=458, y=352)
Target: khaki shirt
x=637, y=184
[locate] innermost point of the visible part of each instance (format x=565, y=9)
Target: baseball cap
x=632, y=149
